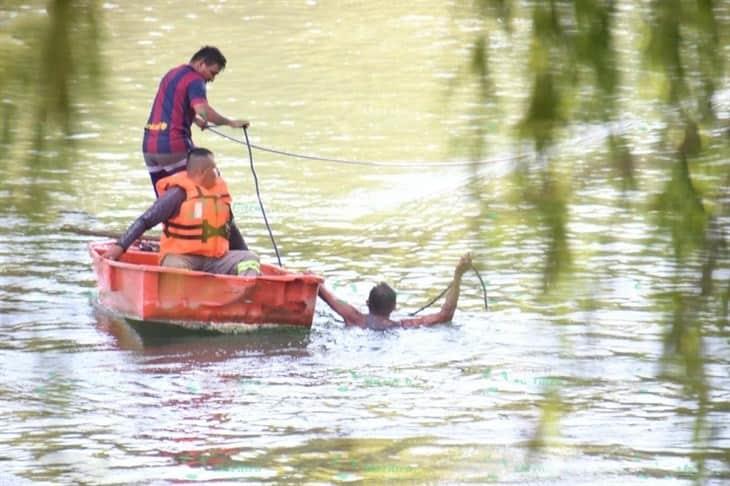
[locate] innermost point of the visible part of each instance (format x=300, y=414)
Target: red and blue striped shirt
x=168, y=127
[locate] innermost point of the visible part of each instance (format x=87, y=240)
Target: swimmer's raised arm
x=446, y=314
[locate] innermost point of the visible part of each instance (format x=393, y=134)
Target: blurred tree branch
x=574, y=77
x=50, y=64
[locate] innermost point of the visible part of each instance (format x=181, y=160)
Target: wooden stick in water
x=102, y=233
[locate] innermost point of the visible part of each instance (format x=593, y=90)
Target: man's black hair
x=382, y=299
x=194, y=155
x=210, y=55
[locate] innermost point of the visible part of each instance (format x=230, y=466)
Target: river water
x=86, y=398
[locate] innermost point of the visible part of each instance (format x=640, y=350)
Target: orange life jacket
x=202, y=225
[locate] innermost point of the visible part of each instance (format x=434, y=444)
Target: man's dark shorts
x=164, y=165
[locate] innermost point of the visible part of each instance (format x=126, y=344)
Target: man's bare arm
x=452, y=297
x=352, y=316
x=208, y=115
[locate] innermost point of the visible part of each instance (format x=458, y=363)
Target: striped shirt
x=168, y=127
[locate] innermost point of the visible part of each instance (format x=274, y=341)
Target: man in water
x=381, y=304
x=195, y=208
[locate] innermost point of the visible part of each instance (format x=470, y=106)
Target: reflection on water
x=152, y=338
x=87, y=398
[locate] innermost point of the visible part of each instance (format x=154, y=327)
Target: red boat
x=138, y=288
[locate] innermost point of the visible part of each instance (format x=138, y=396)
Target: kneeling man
x=195, y=209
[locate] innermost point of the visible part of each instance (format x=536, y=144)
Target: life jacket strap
x=206, y=231
x=210, y=231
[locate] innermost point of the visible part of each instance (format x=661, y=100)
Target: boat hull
x=136, y=287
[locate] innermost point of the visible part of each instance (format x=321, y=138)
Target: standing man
x=180, y=101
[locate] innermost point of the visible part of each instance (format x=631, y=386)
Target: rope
x=370, y=163
x=484, y=287
x=433, y=301
x=615, y=127
x=258, y=195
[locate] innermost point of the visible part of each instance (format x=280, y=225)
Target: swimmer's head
x=381, y=301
